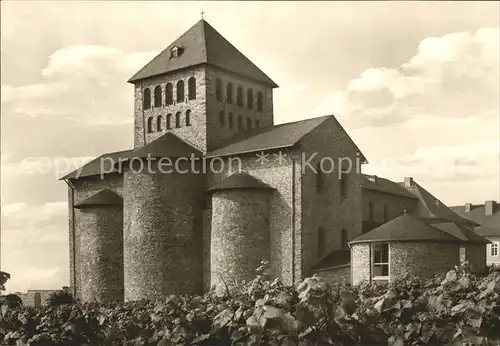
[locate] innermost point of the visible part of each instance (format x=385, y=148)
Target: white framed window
x=380, y=261
x=463, y=255
x=494, y=249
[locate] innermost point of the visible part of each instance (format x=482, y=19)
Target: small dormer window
x=176, y=52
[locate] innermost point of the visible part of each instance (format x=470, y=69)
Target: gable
x=330, y=136
x=202, y=44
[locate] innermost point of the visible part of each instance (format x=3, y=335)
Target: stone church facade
x=241, y=189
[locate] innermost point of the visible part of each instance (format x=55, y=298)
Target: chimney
x=468, y=207
x=408, y=182
x=489, y=207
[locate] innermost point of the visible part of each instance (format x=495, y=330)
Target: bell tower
x=202, y=89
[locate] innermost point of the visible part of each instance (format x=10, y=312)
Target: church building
x=212, y=186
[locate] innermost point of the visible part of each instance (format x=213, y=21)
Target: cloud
x=451, y=76
x=446, y=169
x=86, y=83
x=36, y=237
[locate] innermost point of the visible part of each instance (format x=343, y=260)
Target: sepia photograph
x=275, y=173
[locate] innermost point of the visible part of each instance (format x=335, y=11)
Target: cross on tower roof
x=202, y=12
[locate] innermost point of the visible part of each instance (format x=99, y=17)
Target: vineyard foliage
x=458, y=308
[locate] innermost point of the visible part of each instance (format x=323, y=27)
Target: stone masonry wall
x=360, y=263
x=477, y=256
x=207, y=225
x=101, y=253
x=84, y=188
x=162, y=232
x=327, y=208
x=240, y=234
x=421, y=259
x=29, y=297
x=341, y=274
x=284, y=205
x=396, y=205
x=194, y=134
x=217, y=134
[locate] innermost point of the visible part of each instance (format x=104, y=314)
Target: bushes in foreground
x=456, y=309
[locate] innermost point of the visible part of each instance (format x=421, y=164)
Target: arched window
x=169, y=94
x=169, y=121
x=192, y=88
x=180, y=91
x=260, y=101
x=188, y=117
x=146, y=99
x=370, y=211
x=239, y=96
x=386, y=213
x=321, y=241
x=249, y=123
x=250, y=98
x=343, y=239
x=319, y=178
x=37, y=300
x=229, y=93
x=178, y=119
x=157, y=96
x=240, y=123
x=218, y=89
x=222, y=119
x=159, y=123
x=257, y=123
x=230, y=120
x=150, y=124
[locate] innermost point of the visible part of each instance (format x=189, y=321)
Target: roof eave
x=408, y=240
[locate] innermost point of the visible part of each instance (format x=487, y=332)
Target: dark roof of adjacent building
x=335, y=258
x=240, y=180
x=102, y=197
x=435, y=207
x=104, y=164
x=374, y=183
x=488, y=231
x=412, y=228
x=269, y=138
x=478, y=214
x=202, y=44
x=168, y=145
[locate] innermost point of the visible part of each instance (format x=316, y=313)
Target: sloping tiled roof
x=202, y=44
x=488, y=231
x=274, y=137
x=411, y=228
x=457, y=230
x=477, y=214
x=435, y=207
x=168, y=145
x=102, y=197
x=334, y=259
x=240, y=180
x=375, y=183
x=103, y=163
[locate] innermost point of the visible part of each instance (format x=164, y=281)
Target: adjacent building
x=487, y=215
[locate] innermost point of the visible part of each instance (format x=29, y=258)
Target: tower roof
x=202, y=44
x=168, y=145
x=102, y=197
x=240, y=180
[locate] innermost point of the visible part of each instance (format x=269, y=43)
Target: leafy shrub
x=60, y=298
x=458, y=308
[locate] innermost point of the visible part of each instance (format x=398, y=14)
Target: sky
x=415, y=84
